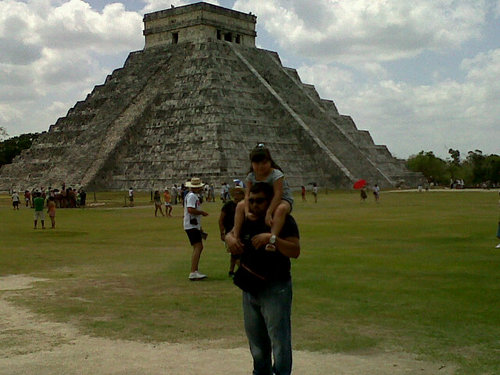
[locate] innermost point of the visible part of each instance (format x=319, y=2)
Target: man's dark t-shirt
x=272, y=265
x=229, y=210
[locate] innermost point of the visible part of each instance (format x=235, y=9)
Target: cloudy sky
x=419, y=75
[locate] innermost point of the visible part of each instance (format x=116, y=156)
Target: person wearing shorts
x=131, y=196
x=51, y=210
x=192, y=225
x=39, y=202
x=15, y=200
x=168, y=205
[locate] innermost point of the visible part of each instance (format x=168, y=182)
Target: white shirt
x=192, y=201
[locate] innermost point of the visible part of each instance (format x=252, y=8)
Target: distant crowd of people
x=39, y=199
x=177, y=194
x=63, y=198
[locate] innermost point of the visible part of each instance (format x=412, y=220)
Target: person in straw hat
x=192, y=224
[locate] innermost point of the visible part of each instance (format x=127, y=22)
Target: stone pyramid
x=194, y=102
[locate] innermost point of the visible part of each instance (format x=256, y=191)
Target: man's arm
x=221, y=225
x=233, y=243
x=289, y=246
x=194, y=211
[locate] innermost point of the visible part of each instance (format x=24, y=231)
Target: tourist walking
x=131, y=196
x=168, y=205
x=51, y=210
x=265, y=278
x=192, y=225
x=39, y=203
x=363, y=194
x=224, y=192
x=15, y=200
x=315, y=192
x=174, y=194
x=157, y=201
x=27, y=198
x=212, y=192
x=376, y=193
x=83, y=197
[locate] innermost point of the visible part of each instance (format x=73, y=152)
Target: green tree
x=12, y=147
x=455, y=156
x=432, y=167
x=483, y=168
x=3, y=133
x=476, y=159
x=493, y=168
x=454, y=167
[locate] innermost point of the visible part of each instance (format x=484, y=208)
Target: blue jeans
x=268, y=328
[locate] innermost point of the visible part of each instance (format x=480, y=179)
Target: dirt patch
x=17, y=282
x=31, y=345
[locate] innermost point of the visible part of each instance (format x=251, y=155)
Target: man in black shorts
x=192, y=225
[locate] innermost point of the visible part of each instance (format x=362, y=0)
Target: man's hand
x=234, y=244
x=204, y=213
x=260, y=240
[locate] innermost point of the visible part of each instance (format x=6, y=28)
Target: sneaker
x=231, y=274
x=193, y=276
x=497, y=246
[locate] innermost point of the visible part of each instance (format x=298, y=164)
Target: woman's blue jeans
x=268, y=328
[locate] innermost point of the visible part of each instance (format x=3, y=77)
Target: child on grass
x=264, y=169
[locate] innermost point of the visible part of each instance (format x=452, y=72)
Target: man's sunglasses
x=257, y=200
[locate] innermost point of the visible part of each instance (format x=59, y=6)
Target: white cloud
x=55, y=52
x=74, y=25
x=367, y=30
x=330, y=80
x=9, y=113
x=59, y=67
x=412, y=117
x=18, y=52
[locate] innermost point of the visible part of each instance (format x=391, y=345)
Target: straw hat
x=194, y=183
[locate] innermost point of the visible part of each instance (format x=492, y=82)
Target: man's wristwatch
x=272, y=240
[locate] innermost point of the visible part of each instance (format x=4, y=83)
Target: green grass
x=416, y=273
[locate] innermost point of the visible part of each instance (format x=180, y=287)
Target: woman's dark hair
x=261, y=153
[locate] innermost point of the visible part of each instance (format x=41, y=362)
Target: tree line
x=11, y=147
x=475, y=170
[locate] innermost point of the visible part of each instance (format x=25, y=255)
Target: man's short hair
x=262, y=187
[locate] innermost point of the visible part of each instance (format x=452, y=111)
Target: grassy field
x=417, y=272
